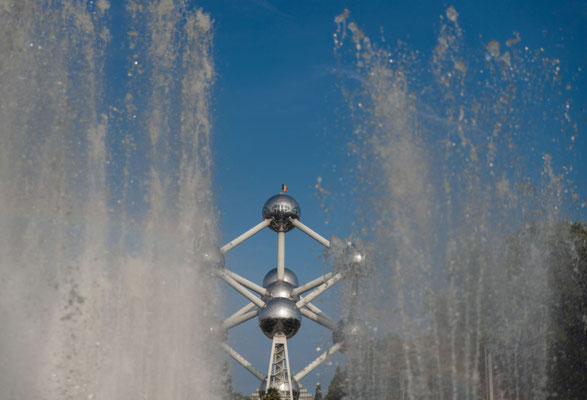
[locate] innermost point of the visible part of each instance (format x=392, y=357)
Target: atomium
x=280, y=302
x=280, y=316
x=279, y=209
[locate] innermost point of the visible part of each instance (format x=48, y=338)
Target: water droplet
x=514, y=40
x=493, y=48
x=452, y=14
x=342, y=17
x=460, y=66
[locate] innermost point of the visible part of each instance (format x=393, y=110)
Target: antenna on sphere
x=281, y=301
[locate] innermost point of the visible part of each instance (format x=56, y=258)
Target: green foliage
x=226, y=383
x=337, y=388
x=318, y=392
x=561, y=251
x=272, y=394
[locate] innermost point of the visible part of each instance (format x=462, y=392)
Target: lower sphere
x=280, y=315
x=282, y=387
x=351, y=333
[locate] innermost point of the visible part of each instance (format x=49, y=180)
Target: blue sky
x=279, y=116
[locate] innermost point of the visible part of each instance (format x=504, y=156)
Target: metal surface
x=212, y=257
x=351, y=333
x=245, y=236
x=319, y=319
x=243, y=361
x=240, y=288
x=289, y=277
x=240, y=319
x=246, y=283
x=351, y=259
x=280, y=289
x=280, y=316
x=240, y=312
x=317, y=237
x=316, y=310
x=281, y=305
x=314, y=283
x=279, y=209
x=278, y=375
x=321, y=358
x=282, y=388
x=319, y=290
x=280, y=255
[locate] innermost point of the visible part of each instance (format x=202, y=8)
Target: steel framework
x=279, y=304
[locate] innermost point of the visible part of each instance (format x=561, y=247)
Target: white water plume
x=463, y=221
x=105, y=208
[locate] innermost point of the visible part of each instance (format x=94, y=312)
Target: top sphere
x=279, y=209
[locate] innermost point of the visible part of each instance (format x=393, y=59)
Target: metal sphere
x=212, y=257
x=280, y=289
x=354, y=256
x=351, y=259
x=280, y=316
x=279, y=209
x=351, y=333
x=217, y=332
x=295, y=386
x=271, y=277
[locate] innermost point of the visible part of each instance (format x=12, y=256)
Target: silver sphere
x=351, y=259
x=295, y=386
x=280, y=316
x=271, y=277
x=279, y=209
x=354, y=256
x=351, y=332
x=212, y=257
x=217, y=332
x=280, y=289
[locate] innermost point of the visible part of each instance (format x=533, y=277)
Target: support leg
x=280, y=256
x=278, y=375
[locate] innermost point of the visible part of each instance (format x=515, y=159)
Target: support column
x=280, y=256
x=278, y=375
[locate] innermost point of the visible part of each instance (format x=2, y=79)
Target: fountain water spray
x=106, y=201
x=460, y=192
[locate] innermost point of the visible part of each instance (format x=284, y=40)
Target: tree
x=272, y=394
x=240, y=396
x=567, y=367
x=337, y=388
x=318, y=392
x=226, y=382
